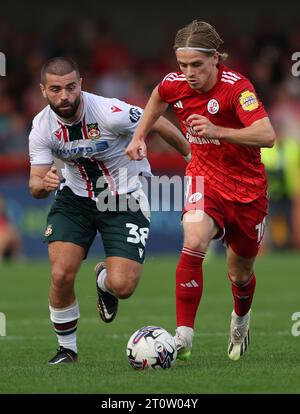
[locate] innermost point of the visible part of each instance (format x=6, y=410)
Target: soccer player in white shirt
x=89, y=134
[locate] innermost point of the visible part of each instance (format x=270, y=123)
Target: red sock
x=189, y=285
x=243, y=295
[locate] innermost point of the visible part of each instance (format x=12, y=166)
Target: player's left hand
x=203, y=126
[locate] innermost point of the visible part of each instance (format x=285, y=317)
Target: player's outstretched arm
x=172, y=135
x=155, y=107
x=43, y=180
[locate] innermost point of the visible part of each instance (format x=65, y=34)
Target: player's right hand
x=136, y=150
x=51, y=180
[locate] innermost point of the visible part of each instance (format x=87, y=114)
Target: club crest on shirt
x=213, y=106
x=93, y=130
x=248, y=101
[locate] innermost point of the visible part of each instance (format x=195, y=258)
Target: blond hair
x=199, y=34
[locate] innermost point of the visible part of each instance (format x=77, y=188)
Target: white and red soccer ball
x=151, y=347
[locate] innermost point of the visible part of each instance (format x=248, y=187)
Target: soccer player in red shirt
x=226, y=125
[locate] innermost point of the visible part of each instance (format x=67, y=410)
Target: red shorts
x=241, y=224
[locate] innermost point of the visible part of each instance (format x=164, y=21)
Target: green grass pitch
x=272, y=364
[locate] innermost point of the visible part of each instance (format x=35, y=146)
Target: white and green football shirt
x=92, y=148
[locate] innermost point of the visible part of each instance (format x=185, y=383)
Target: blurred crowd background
x=113, y=65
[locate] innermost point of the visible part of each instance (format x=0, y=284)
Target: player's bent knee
x=125, y=294
x=196, y=243
x=123, y=291
x=61, y=278
x=240, y=278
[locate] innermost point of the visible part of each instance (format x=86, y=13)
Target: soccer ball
x=151, y=347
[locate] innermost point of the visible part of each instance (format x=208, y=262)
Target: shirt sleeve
x=122, y=118
x=161, y=91
x=170, y=87
x=246, y=104
x=39, y=151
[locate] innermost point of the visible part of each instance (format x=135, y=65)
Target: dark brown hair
x=58, y=66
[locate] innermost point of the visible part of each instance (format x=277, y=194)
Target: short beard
x=70, y=112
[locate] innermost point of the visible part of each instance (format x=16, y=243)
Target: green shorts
x=76, y=219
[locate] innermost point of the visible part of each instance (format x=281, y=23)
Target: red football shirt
x=233, y=170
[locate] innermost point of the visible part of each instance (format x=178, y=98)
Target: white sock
x=65, y=325
x=101, y=278
x=240, y=320
x=186, y=333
